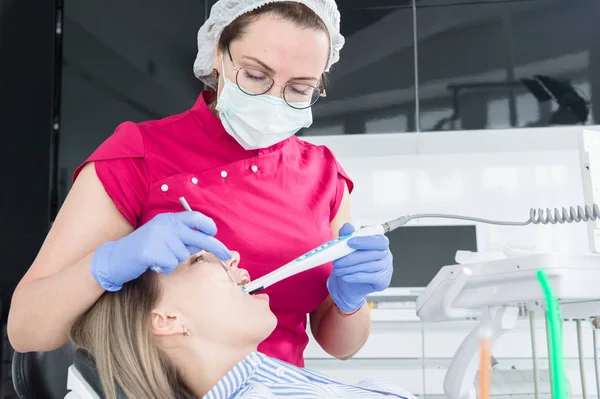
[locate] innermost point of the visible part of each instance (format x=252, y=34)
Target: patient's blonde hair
x=117, y=332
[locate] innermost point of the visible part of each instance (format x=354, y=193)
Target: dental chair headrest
x=42, y=374
x=86, y=365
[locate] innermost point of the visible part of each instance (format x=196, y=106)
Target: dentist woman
x=235, y=157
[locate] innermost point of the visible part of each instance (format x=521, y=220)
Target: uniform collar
x=237, y=377
x=213, y=128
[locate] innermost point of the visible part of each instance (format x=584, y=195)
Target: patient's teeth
x=244, y=281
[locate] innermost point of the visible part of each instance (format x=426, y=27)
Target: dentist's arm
x=341, y=325
x=341, y=337
x=92, y=248
x=58, y=287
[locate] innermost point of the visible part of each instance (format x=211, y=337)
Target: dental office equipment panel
x=490, y=174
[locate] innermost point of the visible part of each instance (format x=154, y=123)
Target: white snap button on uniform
x=280, y=372
x=223, y=174
x=164, y=188
x=254, y=168
x=194, y=180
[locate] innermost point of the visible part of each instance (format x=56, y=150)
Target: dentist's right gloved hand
x=163, y=243
x=367, y=270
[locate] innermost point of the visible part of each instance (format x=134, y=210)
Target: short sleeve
x=121, y=168
x=341, y=180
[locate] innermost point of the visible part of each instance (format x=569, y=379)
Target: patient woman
x=157, y=338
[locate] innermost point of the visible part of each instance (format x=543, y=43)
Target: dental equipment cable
x=534, y=356
x=595, y=343
x=187, y=207
x=338, y=247
x=485, y=366
x=581, y=360
x=536, y=216
x=556, y=359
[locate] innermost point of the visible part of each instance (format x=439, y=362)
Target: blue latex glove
x=368, y=269
x=163, y=243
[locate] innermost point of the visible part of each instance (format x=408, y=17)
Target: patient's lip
x=263, y=297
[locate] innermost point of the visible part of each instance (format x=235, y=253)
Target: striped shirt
x=262, y=377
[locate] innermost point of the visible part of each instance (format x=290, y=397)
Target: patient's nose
x=234, y=261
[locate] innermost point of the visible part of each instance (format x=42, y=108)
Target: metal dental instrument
x=338, y=247
x=187, y=207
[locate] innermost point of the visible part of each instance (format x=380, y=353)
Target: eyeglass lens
x=255, y=82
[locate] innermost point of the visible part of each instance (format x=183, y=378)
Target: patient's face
x=211, y=306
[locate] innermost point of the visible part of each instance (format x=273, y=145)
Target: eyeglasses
x=255, y=82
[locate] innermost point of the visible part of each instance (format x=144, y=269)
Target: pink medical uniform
x=270, y=205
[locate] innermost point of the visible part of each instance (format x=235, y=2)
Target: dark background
x=29, y=62
x=434, y=65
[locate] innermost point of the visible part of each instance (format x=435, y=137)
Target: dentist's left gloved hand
x=368, y=269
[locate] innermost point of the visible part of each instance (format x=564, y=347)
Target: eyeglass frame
x=322, y=92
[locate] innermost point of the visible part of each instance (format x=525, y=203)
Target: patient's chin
x=262, y=326
x=270, y=324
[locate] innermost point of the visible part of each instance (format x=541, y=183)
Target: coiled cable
x=564, y=215
x=536, y=216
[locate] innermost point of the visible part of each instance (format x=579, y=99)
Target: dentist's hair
x=117, y=332
x=294, y=12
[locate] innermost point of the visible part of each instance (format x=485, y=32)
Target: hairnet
x=225, y=12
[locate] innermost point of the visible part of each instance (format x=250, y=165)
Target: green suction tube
x=558, y=377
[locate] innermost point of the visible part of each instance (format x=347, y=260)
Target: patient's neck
x=203, y=364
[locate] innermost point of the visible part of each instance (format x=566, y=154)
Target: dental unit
x=496, y=292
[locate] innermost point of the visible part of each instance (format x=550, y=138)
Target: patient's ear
x=164, y=324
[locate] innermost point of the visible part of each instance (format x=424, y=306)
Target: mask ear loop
x=222, y=67
x=217, y=75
